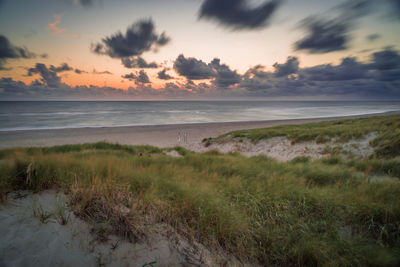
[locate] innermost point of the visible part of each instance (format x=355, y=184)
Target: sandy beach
x=156, y=135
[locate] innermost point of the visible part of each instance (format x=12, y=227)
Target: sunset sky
x=199, y=49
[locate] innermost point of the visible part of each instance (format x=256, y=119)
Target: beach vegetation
x=181, y=150
x=386, y=128
x=40, y=213
x=332, y=211
x=61, y=212
x=303, y=212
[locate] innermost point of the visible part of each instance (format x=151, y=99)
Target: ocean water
x=28, y=115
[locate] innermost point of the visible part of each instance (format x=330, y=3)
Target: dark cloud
x=373, y=37
x=9, y=51
x=386, y=65
x=349, y=69
x=139, y=78
x=224, y=76
x=137, y=62
x=353, y=9
x=256, y=79
x=101, y=72
x=140, y=37
x=48, y=77
x=395, y=8
x=193, y=69
x=85, y=3
x=290, y=67
x=61, y=68
x=142, y=77
x=387, y=59
x=237, y=14
x=78, y=71
x=163, y=75
x=328, y=35
x=129, y=76
x=379, y=78
x=324, y=36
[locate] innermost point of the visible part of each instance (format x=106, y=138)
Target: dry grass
x=303, y=212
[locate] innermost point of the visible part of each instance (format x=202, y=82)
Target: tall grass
x=296, y=213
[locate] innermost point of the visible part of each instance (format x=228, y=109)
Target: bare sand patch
x=281, y=148
x=28, y=241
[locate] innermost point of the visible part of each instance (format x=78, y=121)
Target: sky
x=199, y=49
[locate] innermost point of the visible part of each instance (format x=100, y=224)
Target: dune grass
x=386, y=144
x=302, y=212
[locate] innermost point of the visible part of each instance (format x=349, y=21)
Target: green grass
x=386, y=144
x=302, y=212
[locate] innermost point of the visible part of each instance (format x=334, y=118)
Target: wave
x=188, y=121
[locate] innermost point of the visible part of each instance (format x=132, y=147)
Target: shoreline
x=165, y=135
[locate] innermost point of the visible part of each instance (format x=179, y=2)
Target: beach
x=155, y=135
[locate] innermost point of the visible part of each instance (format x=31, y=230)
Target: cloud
x=9, y=51
x=85, y=3
x=139, y=78
x=163, y=75
x=142, y=77
x=61, y=68
x=48, y=76
x=193, y=69
x=348, y=69
x=386, y=65
x=237, y=14
x=137, y=62
x=140, y=37
x=373, y=37
x=377, y=78
x=386, y=59
x=129, y=76
x=101, y=72
x=53, y=26
x=79, y=71
x=290, y=67
x=395, y=8
x=324, y=35
x=224, y=76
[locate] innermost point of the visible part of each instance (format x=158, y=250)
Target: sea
x=32, y=115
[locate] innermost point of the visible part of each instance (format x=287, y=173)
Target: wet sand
x=156, y=135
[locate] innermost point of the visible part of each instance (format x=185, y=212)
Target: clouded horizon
x=199, y=49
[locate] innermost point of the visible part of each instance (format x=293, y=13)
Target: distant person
x=179, y=137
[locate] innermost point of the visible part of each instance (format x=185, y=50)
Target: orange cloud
x=53, y=26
